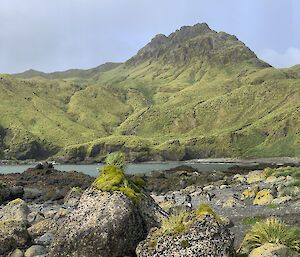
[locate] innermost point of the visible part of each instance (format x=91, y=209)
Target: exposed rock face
x=8, y=193
x=104, y=224
x=271, y=250
x=73, y=196
x=13, y=234
x=206, y=237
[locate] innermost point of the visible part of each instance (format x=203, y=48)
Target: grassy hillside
x=195, y=93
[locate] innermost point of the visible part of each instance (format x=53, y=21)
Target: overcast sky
x=52, y=35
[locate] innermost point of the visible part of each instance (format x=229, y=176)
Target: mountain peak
x=197, y=41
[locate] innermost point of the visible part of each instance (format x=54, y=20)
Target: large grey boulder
x=206, y=237
x=13, y=234
x=104, y=224
x=16, y=209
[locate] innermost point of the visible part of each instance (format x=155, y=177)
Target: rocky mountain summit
x=197, y=41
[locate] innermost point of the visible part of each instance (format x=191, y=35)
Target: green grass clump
x=272, y=231
x=272, y=206
x=176, y=222
x=113, y=179
x=117, y=159
x=251, y=221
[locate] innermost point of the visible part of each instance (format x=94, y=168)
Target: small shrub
x=272, y=231
x=251, y=221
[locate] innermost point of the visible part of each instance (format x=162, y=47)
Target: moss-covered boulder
x=250, y=193
x=263, y=197
x=112, y=216
x=202, y=235
x=106, y=224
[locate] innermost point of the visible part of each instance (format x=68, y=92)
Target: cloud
x=289, y=58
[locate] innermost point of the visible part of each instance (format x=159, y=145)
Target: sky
x=56, y=35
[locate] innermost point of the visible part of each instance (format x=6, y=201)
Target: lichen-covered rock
x=255, y=176
x=13, y=234
x=73, y=196
x=206, y=237
x=263, y=197
x=271, y=250
x=17, y=253
x=42, y=227
x=250, y=193
x=106, y=224
x=231, y=202
x=16, y=209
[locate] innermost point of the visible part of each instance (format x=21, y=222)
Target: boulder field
x=133, y=219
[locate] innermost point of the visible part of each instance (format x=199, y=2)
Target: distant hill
x=195, y=93
x=73, y=73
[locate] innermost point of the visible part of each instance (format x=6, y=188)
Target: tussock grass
x=272, y=231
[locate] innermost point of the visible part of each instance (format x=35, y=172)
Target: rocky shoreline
x=49, y=196
x=238, y=161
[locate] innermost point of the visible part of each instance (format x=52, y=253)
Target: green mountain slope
x=195, y=93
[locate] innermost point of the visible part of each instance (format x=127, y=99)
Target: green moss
x=184, y=244
x=204, y=209
x=77, y=189
x=113, y=179
x=250, y=221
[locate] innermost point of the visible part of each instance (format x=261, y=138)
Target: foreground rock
x=104, y=224
x=206, y=237
x=13, y=234
x=271, y=250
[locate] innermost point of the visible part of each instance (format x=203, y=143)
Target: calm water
x=132, y=168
